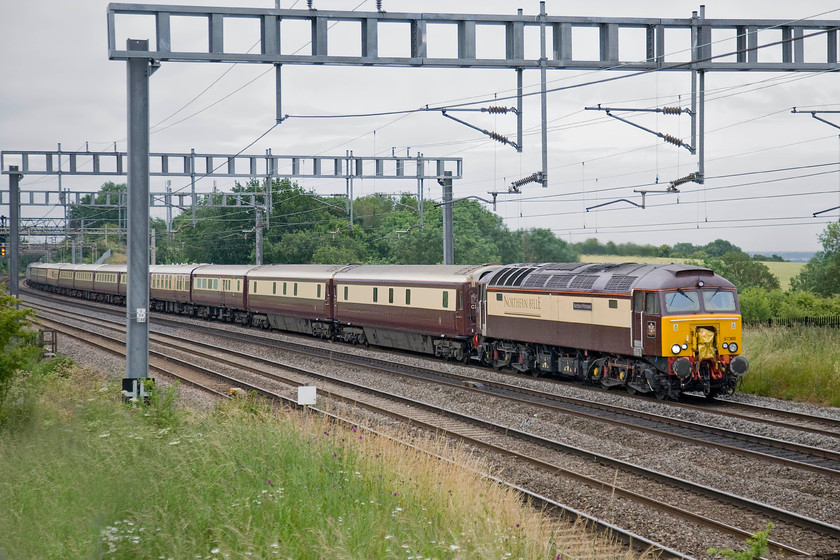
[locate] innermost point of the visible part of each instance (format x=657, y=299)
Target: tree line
x=303, y=227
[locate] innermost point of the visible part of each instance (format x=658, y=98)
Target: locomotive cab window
x=682, y=301
x=718, y=300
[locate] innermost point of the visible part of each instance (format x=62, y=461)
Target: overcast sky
x=58, y=86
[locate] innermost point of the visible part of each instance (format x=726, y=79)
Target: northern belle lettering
x=519, y=302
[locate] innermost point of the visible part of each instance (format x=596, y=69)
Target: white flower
x=106, y=434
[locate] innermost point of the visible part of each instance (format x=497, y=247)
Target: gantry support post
x=137, y=294
x=14, y=228
x=259, y=232
x=543, y=98
x=448, y=237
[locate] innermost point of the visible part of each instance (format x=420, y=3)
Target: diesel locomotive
x=660, y=329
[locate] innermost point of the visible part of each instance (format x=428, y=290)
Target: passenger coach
x=423, y=308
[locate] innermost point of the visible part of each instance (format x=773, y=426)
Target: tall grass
x=796, y=363
x=87, y=477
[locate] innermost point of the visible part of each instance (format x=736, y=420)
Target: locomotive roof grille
x=500, y=276
x=558, y=281
x=583, y=281
x=620, y=283
x=563, y=266
x=536, y=281
x=515, y=280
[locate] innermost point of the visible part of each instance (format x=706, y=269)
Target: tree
x=720, y=247
x=540, y=245
x=821, y=274
x=99, y=216
x=14, y=338
x=741, y=270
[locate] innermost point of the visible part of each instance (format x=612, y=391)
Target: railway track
x=786, y=453
x=217, y=384
x=761, y=415
x=487, y=434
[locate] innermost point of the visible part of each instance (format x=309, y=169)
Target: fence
x=825, y=321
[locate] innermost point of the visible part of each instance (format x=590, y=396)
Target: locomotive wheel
x=630, y=389
x=661, y=393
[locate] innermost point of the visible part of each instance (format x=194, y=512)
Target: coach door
x=646, y=321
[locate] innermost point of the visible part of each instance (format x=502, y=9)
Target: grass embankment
x=797, y=363
x=85, y=476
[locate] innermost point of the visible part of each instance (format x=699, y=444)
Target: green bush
x=758, y=547
x=760, y=304
x=16, y=340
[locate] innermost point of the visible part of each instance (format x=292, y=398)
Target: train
x=655, y=329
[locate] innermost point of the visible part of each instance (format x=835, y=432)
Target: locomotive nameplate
x=572, y=308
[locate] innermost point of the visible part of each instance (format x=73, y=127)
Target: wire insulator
x=309, y=4
x=672, y=110
x=532, y=178
x=378, y=5
x=672, y=139
x=498, y=137
x=686, y=179
x=497, y=110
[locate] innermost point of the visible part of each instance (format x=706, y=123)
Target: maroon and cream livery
x=423, y=308
x=661, y=329
x=649, y=328
x=292, y=297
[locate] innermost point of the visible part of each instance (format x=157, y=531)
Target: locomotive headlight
x=676, y=348
x=725, y=345
x=733, y=347
x=685, y=346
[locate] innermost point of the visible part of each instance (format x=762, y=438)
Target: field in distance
x=784, y=271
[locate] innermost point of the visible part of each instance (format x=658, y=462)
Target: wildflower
x=106, y=434
x=269, y=482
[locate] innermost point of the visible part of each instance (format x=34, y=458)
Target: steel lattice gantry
x=271, y=26
x=143, y=56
